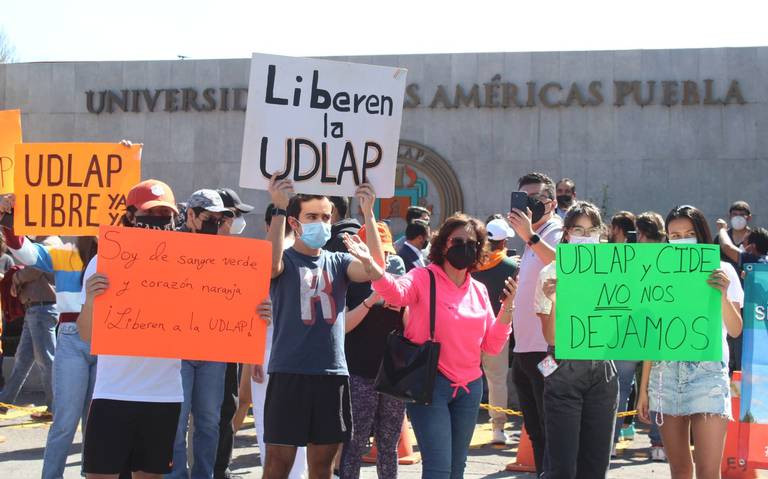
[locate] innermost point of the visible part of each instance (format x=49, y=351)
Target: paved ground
x=22, y=451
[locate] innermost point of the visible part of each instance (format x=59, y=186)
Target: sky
x=89, y=30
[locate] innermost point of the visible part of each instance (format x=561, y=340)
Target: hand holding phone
x=519, y=201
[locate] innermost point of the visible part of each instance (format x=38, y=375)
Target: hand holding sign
x=281, y=192
x=96, y=285
x=366, y=196
x=719, y=280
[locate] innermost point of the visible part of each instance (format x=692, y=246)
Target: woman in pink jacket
x=464, y=326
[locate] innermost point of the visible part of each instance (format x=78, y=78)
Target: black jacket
x=336, y=244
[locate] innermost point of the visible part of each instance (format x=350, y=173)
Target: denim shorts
x=682, y=388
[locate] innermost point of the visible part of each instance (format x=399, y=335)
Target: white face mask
x=684, y=241
x=238, y=225
x=584, y=239
x=738, y=222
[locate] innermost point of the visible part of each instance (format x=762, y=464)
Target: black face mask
x=164, y=223
x=537, y=209
x=564, y=201
x=462, y=256
x=210, y=227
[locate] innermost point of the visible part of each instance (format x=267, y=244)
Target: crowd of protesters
x=338, y=288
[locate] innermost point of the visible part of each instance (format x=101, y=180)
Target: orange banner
x=61, y=187
x=10, y=136
x=181, y=295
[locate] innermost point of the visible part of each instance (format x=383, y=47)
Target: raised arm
x=521, y=223
x=281, y=192
x=361, y=269
x=726, y=245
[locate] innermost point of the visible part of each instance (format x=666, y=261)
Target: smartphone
x=511, y=252
x=631, y=236
x=519, y=200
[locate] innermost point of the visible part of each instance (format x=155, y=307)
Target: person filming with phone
x=534, y=221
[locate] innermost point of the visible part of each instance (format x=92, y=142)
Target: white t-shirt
x=526, y=325
x=735, y=294
x=128, y=378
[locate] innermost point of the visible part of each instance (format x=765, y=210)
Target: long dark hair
x=87, y=247
x=459, y=221
x=651, y=226
x=697, y=218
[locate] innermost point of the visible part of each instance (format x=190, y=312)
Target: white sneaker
x=658, y=454
x=499, y=437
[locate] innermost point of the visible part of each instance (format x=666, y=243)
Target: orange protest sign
x=111, y=207
x=10, y=136
x=181, y=295
x=60, y=187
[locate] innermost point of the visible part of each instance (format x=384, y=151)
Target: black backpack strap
x=432, y=294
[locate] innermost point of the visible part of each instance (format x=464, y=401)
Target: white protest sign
x=329, y=126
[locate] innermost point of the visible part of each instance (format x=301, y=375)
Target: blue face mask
x=315, y=235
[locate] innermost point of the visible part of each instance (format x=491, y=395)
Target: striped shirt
x=63, y=261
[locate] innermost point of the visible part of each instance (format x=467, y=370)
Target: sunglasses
x=461, y=241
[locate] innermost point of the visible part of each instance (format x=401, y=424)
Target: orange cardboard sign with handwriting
x=181, y=295
x=61, y=187
x=10, y=136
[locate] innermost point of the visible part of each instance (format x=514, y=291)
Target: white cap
x=499, y=230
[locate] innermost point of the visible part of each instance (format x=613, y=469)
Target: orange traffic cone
x=524, y=461
x=405, y=454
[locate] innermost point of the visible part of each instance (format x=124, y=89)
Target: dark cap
x=208, y=200
x=232, y=200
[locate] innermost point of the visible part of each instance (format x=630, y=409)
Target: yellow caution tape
x=29, y=410
x=510, y=412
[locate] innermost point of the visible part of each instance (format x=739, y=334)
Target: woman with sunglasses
x=580, y=396
x=465, y=326
x=686, y=397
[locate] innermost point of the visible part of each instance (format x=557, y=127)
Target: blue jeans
x=626, y=371
x=203, y=383
x=444, y=428
x=74, y=374
x=36, y=346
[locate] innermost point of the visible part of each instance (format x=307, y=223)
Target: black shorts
x=130, y=435
x=303, y=409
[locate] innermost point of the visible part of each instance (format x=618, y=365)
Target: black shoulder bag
x=408, y=370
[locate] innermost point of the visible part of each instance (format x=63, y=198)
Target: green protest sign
x=637, y=301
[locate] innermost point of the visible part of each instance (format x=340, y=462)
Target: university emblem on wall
x=425, y=179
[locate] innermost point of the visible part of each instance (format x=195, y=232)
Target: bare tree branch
x=7, y=50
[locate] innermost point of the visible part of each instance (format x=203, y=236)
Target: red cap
x=151, y=193
x=385, y=236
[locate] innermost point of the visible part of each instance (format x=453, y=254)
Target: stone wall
x=622, y=157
